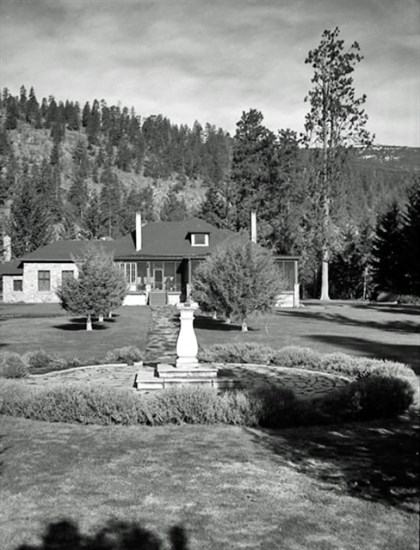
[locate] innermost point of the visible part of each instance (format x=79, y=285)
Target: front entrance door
x=158, y=278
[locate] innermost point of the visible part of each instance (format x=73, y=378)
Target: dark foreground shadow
x=116, y=535
x=376, y=461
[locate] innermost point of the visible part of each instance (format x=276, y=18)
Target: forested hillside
x=72, y=171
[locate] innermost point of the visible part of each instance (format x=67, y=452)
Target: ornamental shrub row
x=13, y=365
x=274, y=407
x=354, y=368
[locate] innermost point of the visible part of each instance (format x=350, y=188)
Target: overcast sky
x=211, y=60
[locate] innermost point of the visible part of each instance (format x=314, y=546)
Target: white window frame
x=206, y=239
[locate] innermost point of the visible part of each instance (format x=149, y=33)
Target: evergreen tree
x=29, y=223
x=92, y=218
x=99, y=288
x=174, y=208
x=137, y=201
x=388, y=252
x=12, y=113
x=336, y=121
x=110, y=202
x=239, y=278
x=32, y=109
x=93, y=124
x=253, y=166
x=411, y=235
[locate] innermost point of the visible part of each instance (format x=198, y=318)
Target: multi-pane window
x=67, y=274
x=44, y=281
x=287, y=273
x=129, y=270
x=17, y=285
x=200, y=239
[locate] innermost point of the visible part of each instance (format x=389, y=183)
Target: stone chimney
x=254, y=226
x=138, y=231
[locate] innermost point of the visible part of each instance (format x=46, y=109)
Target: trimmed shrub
x=12, y=365
x=236, y=353
x=293, y=356
x=275, y=407
x=408, y=299
x=127, y=354
x=373, y=397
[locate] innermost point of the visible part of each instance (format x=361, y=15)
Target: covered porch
x=158, y=282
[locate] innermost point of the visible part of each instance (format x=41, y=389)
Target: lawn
x=376, y=331
x=211, y=487
x=43, y=326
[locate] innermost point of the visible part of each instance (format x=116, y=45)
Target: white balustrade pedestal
x=187, y=346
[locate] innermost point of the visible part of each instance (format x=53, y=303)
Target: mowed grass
x=43, y=326
x=221, y=487
x=376, y=331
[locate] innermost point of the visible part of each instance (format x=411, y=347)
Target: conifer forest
x=70, y=171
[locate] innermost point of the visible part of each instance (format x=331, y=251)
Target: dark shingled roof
x=170, y=239
x=159, y=240
x=65, y=251
x=11, y=268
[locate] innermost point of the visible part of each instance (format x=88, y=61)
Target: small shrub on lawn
x=12, y=365
x=127, y=354
x=236, y=353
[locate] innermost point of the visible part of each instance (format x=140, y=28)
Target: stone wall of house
x=10, y=295
x=30, y=292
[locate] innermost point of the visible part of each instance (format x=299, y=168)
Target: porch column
x=296, y=285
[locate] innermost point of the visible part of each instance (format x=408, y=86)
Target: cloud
x=210, y=60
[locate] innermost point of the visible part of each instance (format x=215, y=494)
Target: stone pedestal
x=187, y=346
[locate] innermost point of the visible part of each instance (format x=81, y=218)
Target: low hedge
x=41, y=362
x=274, y=407
x=354, y=368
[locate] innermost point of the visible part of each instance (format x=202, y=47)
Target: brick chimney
x=254, y=226
x=138, y=231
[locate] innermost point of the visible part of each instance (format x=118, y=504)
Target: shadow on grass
x=378, y=350
x=376, y=461
x=404, y=309
x=116, y=535
x=343, y=320
x=79, y=323
x=207, y=323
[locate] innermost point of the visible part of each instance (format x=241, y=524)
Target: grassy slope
x=227, y=487
x=66, y=336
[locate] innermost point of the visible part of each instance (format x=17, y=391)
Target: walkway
x=161, y=348
x=162, y=335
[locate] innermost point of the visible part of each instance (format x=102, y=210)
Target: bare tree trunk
x=325, y=295
x=326, y=199
x=101, y=318
x=110, y=315
x=244, y=326
x=88, y=323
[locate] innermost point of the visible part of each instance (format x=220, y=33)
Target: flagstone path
x=162, y=335
x=161, y=348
